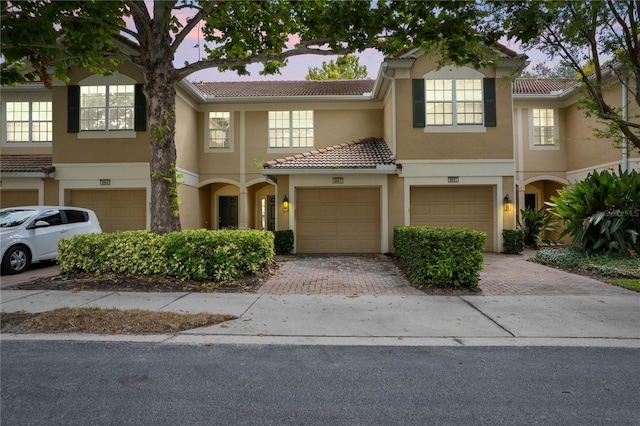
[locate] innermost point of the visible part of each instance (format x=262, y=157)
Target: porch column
x=243, y=214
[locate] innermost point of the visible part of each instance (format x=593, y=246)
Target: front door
x=271, y=213
x=227, y=212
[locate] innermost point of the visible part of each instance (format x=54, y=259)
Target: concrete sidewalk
x=586, y=320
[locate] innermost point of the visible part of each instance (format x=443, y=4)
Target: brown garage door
x=10, y=198
x=117, y=210
x=464, y=207
x=342, y=220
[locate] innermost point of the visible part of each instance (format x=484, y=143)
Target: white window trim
x=556, y=145
x=455, y=73
x=208, y=149
x=289, y=148
x=110, y=80
x=29, y=143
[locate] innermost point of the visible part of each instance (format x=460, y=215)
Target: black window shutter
x=490, y=114
x=140, y=113
x=418, y=102
x=73, y=109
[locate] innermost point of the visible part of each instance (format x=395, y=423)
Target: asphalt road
x=98, y=383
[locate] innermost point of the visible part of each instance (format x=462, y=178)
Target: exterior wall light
x=507, y=204
x=285, y=204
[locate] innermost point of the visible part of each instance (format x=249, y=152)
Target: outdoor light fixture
x=507, y=203
x=285, y=204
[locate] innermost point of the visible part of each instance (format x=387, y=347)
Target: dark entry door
x=271, y=213
x=227, y=212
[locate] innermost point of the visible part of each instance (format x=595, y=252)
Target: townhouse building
x=339, y=162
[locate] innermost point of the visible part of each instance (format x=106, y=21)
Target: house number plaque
x=338, y=180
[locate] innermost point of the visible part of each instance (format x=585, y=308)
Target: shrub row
x=440, y=256
x=220, y=256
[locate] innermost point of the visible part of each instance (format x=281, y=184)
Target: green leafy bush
x=283, y=241
x=609, y=264
x=221, y=256
x=440, y=256
x=513, y=240
x=534, y=223
x=602, y=212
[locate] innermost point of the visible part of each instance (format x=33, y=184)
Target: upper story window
x=107, y=108
x=29, y=122
x=454, y=99
x=543, y=127
x=290, y=129
x=219, y=129
x=454, y=102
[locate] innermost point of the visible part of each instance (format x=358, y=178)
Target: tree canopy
x=44, y=38
x=599, y=40
x=344, y=68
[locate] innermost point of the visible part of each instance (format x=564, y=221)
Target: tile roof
x=286, y=88
x=26, y=163
x=363, y=154
x=541, y=86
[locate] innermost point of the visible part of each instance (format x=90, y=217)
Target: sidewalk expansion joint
x=487, y=316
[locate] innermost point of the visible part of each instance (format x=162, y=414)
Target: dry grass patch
x=107, y=321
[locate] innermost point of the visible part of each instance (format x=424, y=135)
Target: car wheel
x=15, y=260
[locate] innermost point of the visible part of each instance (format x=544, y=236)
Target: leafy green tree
x=542, y=70
x=40, y=35
x=599, y=40
x=344, y=68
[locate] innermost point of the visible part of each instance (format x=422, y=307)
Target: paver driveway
x=376, y=274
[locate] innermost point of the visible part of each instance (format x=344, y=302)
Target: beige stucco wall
x=70, y=148
x=189, y=210
x=396, y=206
x=187, y=135
x=416, y=143
x=334, y=123
x=24, y=94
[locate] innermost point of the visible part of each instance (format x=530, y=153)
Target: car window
x=76, y=216
x=12, y=217
x=52, y=217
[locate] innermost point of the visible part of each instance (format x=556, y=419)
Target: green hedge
x=283, y=241
x=221, y=256
x=440, y=256
x=513, y=240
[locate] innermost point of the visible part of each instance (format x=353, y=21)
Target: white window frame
x=109, y=93
x=286, y=127
x=532, y=130
x=111, y=80
x=446, y=97
x=208, y=130
x=455, y=74
x=32, y=122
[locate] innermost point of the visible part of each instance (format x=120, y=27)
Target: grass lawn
x=628, y=283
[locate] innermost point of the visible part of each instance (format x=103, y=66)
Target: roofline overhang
x=33, y=175
x=382, y=169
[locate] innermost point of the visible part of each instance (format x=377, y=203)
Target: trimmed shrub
x=221, y=256
x=602, y=212
x=534, y=223
x=283, y=241
x=440, y=256
x=513, y=240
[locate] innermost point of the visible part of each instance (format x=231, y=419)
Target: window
x=219, y=129
x=29, y=121
x=107, y=108
x=543, y=127
x=76, y=216
x=290, y=129
x=454, y=102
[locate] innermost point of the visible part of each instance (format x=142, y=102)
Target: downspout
x=625, y=147
x=393, y=108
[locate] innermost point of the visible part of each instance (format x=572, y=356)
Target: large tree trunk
x=161, y=103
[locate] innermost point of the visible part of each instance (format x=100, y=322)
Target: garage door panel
x=117, y=210
x=340, y=220
x=11, y=198
x=463, y=207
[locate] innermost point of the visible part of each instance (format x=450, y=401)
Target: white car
x=31, y=234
